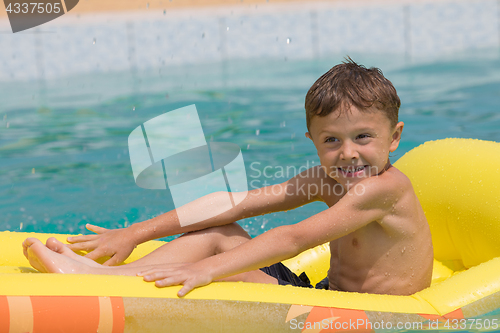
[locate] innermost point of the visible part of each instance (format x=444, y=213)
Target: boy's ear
x=308, y=136
x=396, y=136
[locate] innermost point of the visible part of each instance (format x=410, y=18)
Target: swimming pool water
x=65, y=162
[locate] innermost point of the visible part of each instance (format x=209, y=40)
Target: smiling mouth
x=352, y=169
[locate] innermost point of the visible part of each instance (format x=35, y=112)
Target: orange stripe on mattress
x=20, y=314
x=105, y=315
x=76, y=314
x=457, y=314
x=336, y=320
x=297, y=310
x=118, y=314
x=4, y=314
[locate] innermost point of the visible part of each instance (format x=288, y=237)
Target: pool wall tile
x=440, y=28
x=114, y=42
x=358, y=29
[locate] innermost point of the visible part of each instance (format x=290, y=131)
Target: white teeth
x=349, y=169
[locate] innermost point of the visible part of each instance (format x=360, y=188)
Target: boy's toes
x=30, y=241
x=27, y=243
x=55, y=245
x=25, y=249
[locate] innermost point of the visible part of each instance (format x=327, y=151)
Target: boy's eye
x=363, y=136
x=331, y=139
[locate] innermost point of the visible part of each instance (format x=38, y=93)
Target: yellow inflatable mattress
x=458, y=184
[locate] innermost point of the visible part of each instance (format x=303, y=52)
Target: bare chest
x=355, y=257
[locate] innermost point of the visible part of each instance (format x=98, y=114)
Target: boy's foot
x=59, y=247
x=47, y=260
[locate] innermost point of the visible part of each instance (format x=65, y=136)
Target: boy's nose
x=348, y=152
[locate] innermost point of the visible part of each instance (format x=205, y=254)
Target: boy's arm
x=352, y=212
x=119, y=243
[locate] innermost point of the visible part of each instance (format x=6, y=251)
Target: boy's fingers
x=174, y=281
x=144, y=273
x=184, y=290
x=85, y=246
x=160, y=273
x=169, y=281
x=80, y=239
x=86, y=238
x=95, y=228
x=96, y=254
x=153, y=275
x=114, y=260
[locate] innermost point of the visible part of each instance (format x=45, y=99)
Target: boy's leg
x=190, y=247
x=197, y=245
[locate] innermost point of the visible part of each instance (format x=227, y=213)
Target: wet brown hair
x=350, y=84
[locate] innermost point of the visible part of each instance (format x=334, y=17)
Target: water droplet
x=257, y=132
x=403, y=250
x=288, y=40
x=21, y=226
x=248, y=146
x=227, y=28
x=93, y=42
x=133, y=108
x=164, y=11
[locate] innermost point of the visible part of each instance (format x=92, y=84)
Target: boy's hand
x=114, y=243
x=175, y=274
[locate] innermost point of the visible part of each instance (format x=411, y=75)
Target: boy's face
x=354, y=145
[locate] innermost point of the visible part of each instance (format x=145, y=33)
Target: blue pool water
x=65, y=162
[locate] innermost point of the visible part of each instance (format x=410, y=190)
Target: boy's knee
x=225, y=230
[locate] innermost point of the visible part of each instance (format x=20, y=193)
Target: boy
x=379, y=238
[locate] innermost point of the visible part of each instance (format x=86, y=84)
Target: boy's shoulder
x=380, y=190
x=389, y=180
x=384, y=189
